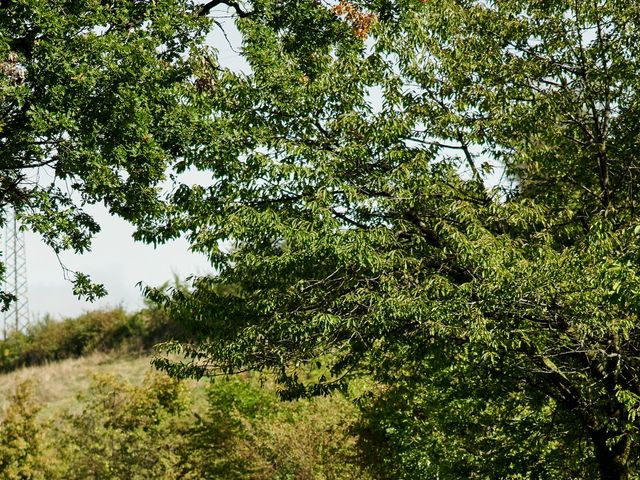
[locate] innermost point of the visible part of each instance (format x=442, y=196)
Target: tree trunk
x=612, y=460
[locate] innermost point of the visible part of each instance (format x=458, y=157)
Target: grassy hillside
x=104, y=413
x=57, y=385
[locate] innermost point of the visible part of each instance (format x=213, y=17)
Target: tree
x=353, y=223
x=91, y=102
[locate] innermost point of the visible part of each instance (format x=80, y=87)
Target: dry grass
x=57, y=385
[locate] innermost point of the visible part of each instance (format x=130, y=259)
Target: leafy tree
x=92, y=110
x=350, y=213
x=451, y=421
x=352, y=221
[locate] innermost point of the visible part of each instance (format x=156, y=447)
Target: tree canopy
x=91, y=110
x=440, y=194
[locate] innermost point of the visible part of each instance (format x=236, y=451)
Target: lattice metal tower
x=15, y=278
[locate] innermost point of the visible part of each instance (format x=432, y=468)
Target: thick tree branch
x=206, y=8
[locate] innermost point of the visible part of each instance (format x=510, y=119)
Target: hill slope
x=111, y=416
x=57, y=385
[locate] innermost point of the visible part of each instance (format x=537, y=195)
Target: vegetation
x=90, y=104
x=354, y=211
x=163, y=429
x=439, y=194
x=97, y=331
x=21, y=446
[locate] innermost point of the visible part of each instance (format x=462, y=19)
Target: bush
x=304, y=440
x=258, y=437
x=118, y=430
x=213, y=442
x=124, y=431
x=98, y=331
x=21, y=438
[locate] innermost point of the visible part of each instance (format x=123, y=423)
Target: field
x=57, y=385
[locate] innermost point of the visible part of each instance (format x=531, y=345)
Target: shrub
x=21, y=438
x=124, y=431
x=119, y=430
x=249, y=434
x=302, y=440
x=102, y=330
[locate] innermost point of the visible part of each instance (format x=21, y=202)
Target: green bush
x=214, y=440
x=103, y=330
x=303, y=440
x=124, y=431
x=254, y=436
x=156, y=431
x=21, y=438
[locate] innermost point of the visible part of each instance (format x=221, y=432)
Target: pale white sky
x=114, y=260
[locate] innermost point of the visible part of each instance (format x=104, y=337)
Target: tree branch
x=206, y=8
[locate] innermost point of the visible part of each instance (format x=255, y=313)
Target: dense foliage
x=351, y=213
x=97, y=331
x=161, y=430
x=91, y=111
x=22, y=440
x=440, y=193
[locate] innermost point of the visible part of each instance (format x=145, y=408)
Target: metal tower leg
x=15, y=278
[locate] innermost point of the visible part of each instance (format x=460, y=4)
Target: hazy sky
x=114, y=260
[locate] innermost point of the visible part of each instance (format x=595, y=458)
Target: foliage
x=304, y=440
x=264, y=438
x=21, y=438
x=447, y=423
x=123, y=431
x=165, y=429
x=91, y=101
x=351, y=212
x=221, y=430
x=95, y=331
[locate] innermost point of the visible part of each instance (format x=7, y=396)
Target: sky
x=115, y=260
